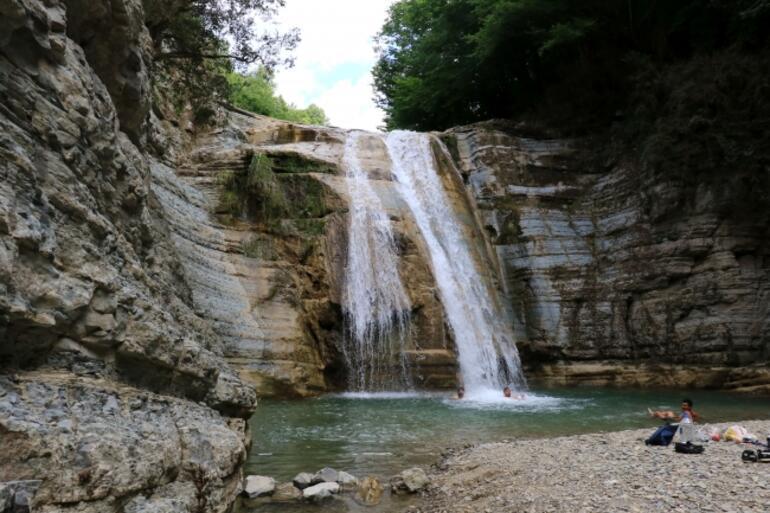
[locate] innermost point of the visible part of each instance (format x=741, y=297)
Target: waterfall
x=375, y=304
x=486, y=351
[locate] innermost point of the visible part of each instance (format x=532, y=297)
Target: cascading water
x=486, y=351
x=376, y=306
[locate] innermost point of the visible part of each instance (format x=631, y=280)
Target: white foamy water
x=486, y=351
x=375, y=303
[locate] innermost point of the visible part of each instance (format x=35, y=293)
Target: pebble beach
x=605, y=472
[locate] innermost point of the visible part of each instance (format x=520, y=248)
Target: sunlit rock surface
x=114, y=392
x=278, y=310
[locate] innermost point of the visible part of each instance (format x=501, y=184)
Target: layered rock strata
x=114, y=394
x=274, y=286
x=617, y=275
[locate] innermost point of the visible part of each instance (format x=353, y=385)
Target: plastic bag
x=737, y=434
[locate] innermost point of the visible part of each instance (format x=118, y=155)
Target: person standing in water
x=460, y=393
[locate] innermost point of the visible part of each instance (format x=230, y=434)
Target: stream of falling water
x=376, y=306
x=486, y=351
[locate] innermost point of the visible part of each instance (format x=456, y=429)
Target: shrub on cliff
x=256, y=191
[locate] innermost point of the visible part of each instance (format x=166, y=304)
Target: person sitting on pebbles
x=508, y=395
x=688, y=415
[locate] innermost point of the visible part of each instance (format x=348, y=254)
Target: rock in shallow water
x=326, y=475
x=320, y=491
x=303, y=480
x=257, y=486
x=286, y=492
x=346, y=479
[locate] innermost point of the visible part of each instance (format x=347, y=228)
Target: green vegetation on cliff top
x=256, y=93
x=450, y=62
x=680, y=87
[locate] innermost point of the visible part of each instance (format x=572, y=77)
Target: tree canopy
x=255, y=92
x=198, y=43
x=449, y=62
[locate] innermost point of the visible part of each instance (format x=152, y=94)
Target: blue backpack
x=663, y=435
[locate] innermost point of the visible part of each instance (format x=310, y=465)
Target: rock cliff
x=617, y=274
x=148, y=288
x=114, y=394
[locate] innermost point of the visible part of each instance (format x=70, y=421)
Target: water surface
x=382, y=434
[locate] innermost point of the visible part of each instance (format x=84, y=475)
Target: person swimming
x=460, y=393
x=509, y=395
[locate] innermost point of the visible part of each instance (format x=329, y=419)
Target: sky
x=333, y=62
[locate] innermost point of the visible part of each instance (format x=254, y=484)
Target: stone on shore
x=320, y=491
x=600, y=472
x=410, y=480
x=326, y=475
x=303, y=480
x=258, y=486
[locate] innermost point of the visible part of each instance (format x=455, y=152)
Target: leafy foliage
x=196, y=42
x=449, y=62
x=255, y=92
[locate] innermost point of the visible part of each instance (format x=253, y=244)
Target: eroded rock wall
x=274, y=286
x=113, y=387
x=618, y=274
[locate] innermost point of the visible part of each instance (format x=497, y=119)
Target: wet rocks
x=286, y=492
x=320, y=491
x=410, y=481
x=325, y=475
x=346, y=480
x=303, y=480
x=257, y=486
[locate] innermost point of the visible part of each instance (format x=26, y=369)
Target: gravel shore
x=603, y=472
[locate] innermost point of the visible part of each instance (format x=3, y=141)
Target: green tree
x=256, y=93
x=449, y=62
x=197, y=42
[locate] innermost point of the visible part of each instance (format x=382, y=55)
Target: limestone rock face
x=618, y=275
x=273, y=287
x=114, y=388
x=92, y=441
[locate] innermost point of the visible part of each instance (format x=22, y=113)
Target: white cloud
x=334, y=59
x=349, y=104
